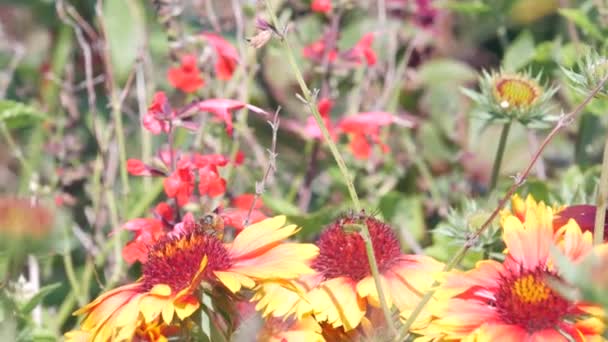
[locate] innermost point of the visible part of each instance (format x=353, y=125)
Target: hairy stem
x=310, y=102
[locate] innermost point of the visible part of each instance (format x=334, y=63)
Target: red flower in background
x=240, y=205
x=222, y=109
x=180, y=184
x=210, y=183
x=227, y=55
x=312, y=130
x=137, y=167
x=159, y=112
x=164, y=211
x=147, y=231
x=362, y=51
x=186, y=77
x=321, y=6
x=315, y=51
x=365, y=128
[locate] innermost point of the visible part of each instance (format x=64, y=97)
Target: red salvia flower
x=227, y=55
x=210, y=182
x=312, y=130
x=137, y=167
x=315, y=51
x=180, y=184
x=159, y=112
x=239, y=209
x=164, y=211
x=321, y=6
x=209, y=160
x=186, y=77
x=239, y=158
x=362, y=51
x=244, y=201
x=365, y=128
x=222, y=109
x=147, y=231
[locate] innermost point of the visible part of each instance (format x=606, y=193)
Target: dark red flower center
x=525, y=299
x=342, y=254
x=175, y=260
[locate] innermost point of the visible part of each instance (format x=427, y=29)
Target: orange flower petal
x=185, y=306
x=576, y=244
x=528, y=246
x=501, y=333
x=366, y=288
x=234, y=281
x=284, y=261
x=152, y=305
x=336, y=302
x=259, y=237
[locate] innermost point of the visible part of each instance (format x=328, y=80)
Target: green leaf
x=446, y=70
x=466, y=7
x=28, y=306
x=280, y=205
x=313, y=223
x=520, y=52
x=124, y=25
x=16, y=114
x=581, y=19
x=404, y=212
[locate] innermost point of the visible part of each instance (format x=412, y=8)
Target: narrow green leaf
x=28, y=306
x=581, y=19
x=520, y=52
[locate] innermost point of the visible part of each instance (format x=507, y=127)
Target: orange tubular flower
x=178, y=264
x=512, y=301
x=341, y=290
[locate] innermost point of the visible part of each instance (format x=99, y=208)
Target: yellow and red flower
x=176, y=266
x=342, y=291
x=583, y=214
x=512, y=300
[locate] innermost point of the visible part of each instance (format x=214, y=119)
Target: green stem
x=502, y=143
x=117, y=241
x=602, y=200
x=69, y=270
x=310, y=101
x=120, y=138
x=410, y=148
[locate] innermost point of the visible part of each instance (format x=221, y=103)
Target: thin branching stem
x=309, y=98
x=260, y=187
x=520, y=179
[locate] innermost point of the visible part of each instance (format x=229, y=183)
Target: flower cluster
x=360, y=53
x=187, y=76
x=514, y=299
